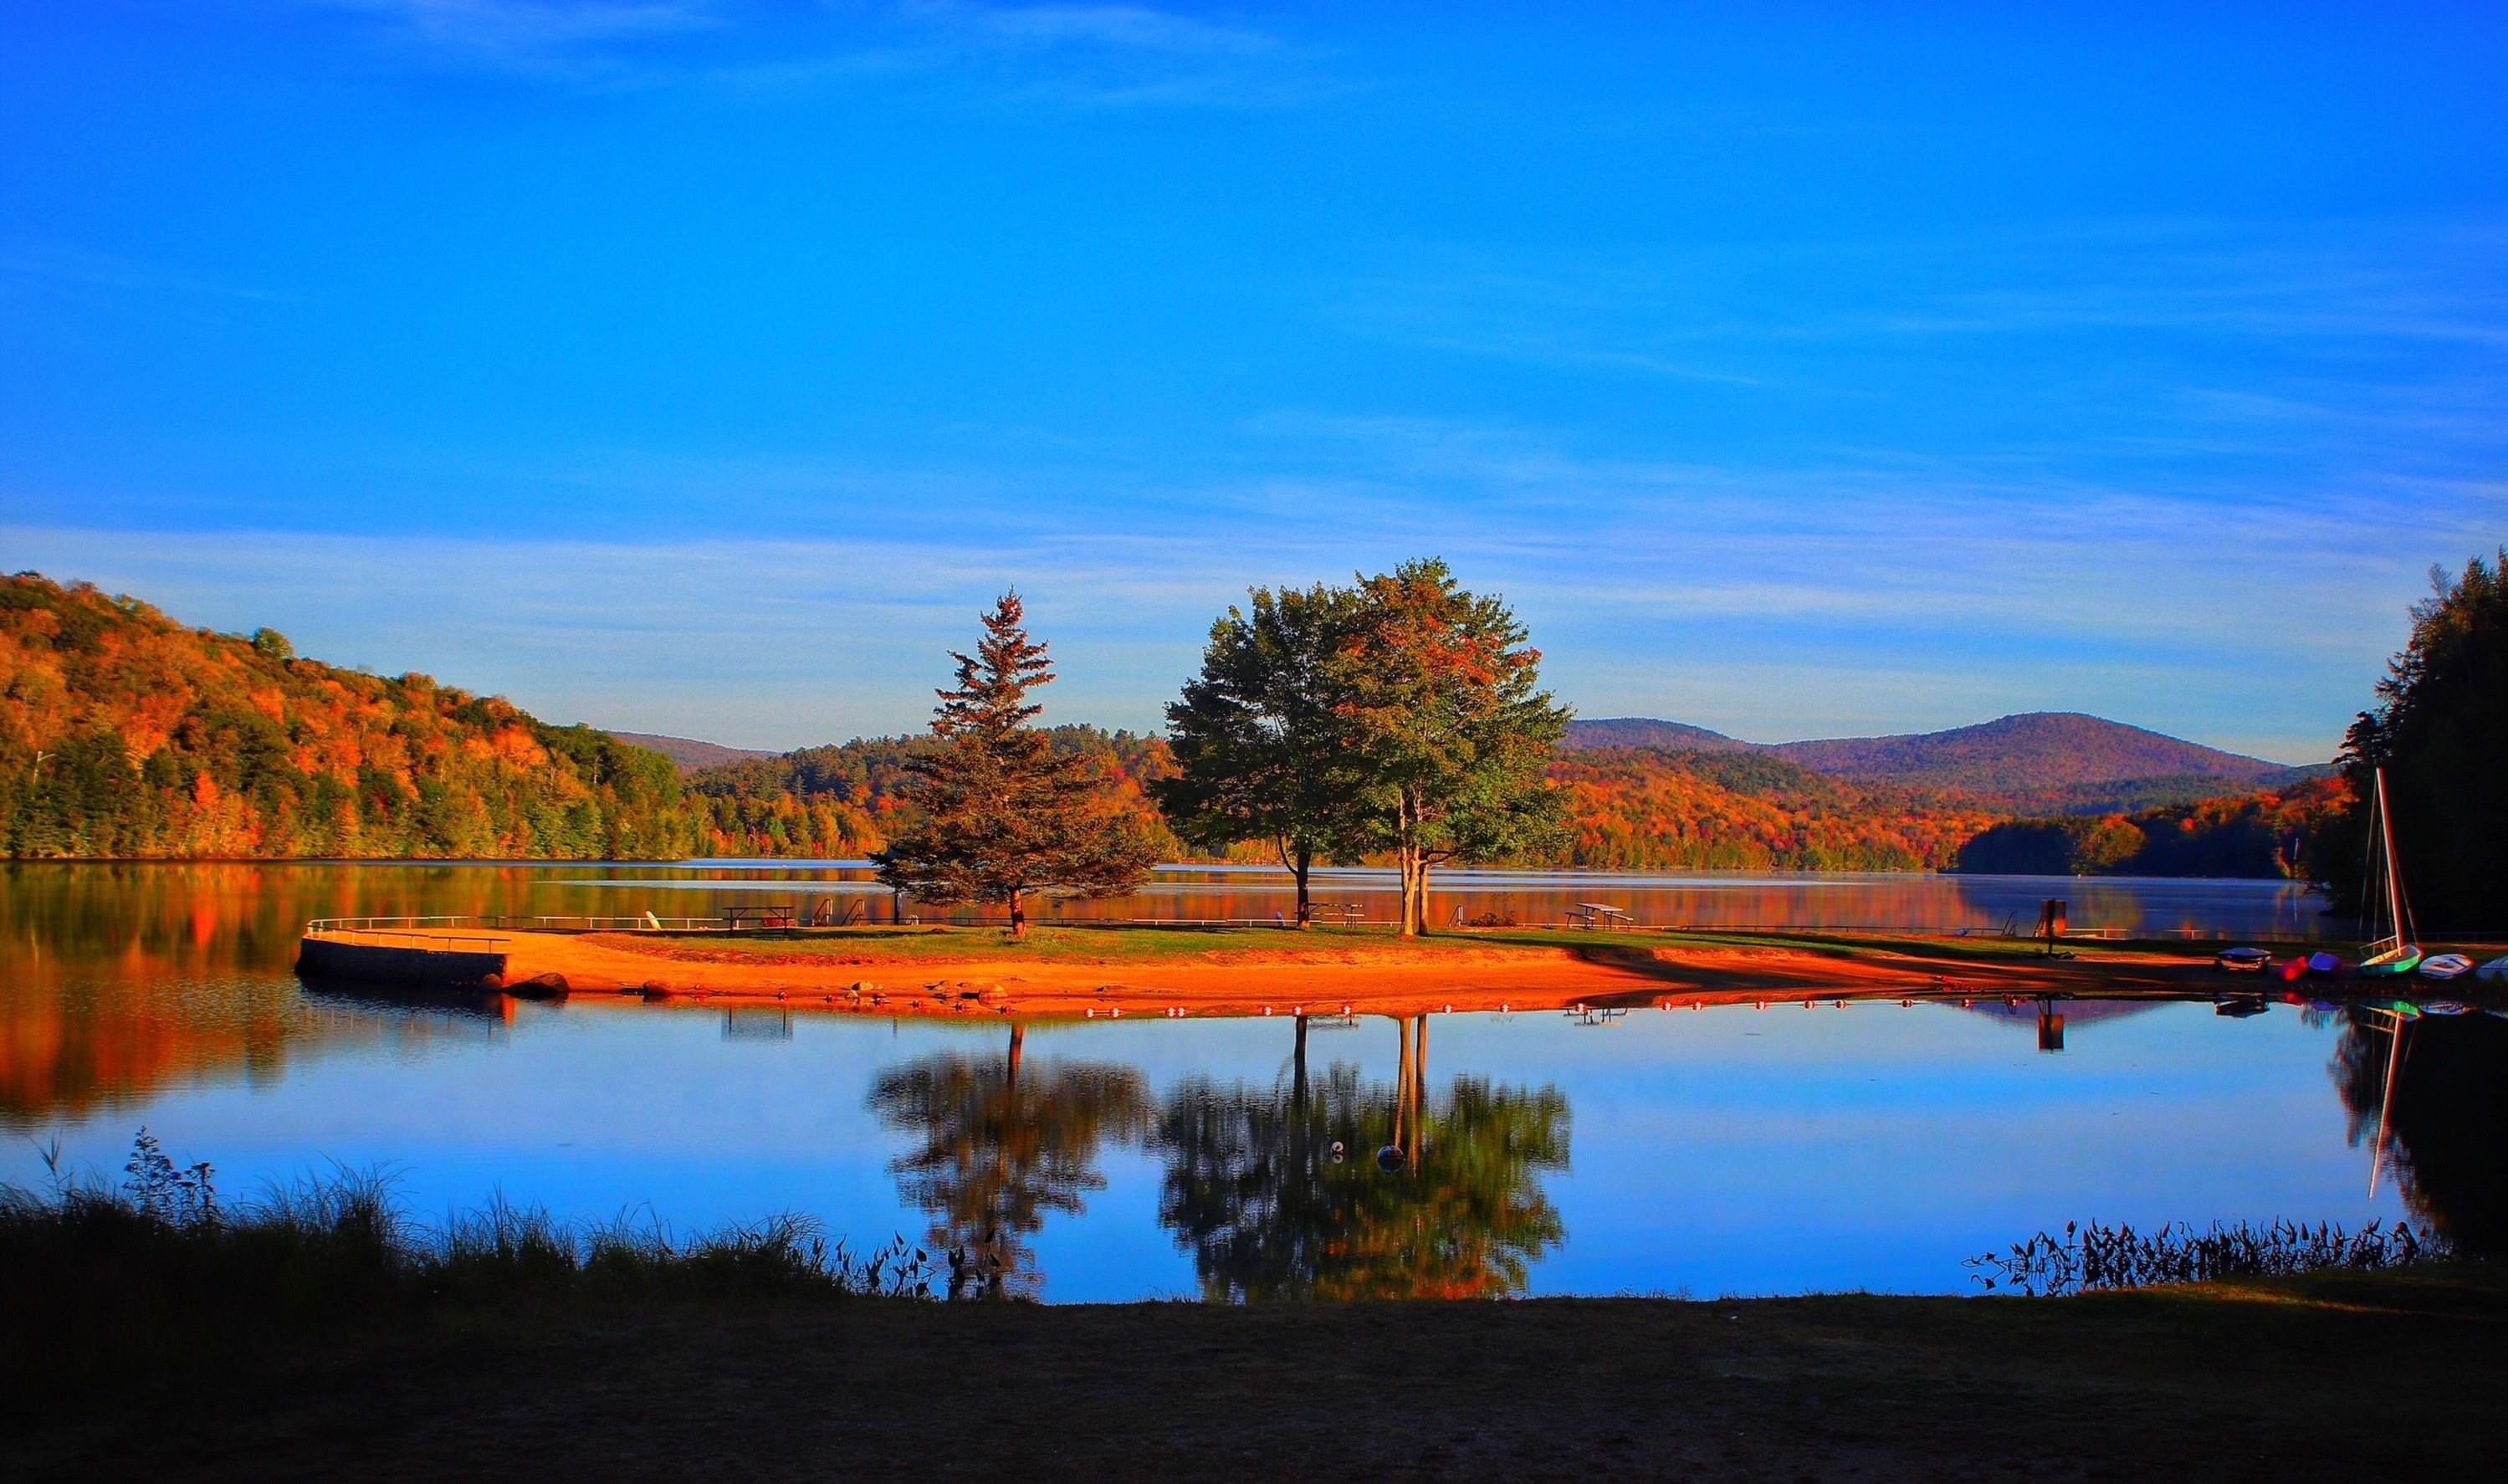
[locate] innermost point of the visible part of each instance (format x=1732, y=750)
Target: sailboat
x=2393, y=955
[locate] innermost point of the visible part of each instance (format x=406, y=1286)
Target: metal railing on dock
x=438, y=927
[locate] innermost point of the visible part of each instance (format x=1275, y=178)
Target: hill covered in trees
x=690, y=753
x=844, y=800
x=1610, y=734
x=1649, y=809
x=2265, y=834
x=2017, y=756
x=2037, y=763
x=1627, y=809
x=125, y=733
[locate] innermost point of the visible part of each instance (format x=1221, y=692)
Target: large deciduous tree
x=1257, y=742
x=2436, y=728
x=1445, y=726
x=1005, y=815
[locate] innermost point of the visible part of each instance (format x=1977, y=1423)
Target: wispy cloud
x=34, y=260
x=1770, y=601
x=1095, y=55
x=1766, y=313
x=1130, y=26
x=529, y=33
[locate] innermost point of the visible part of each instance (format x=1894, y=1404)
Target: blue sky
x=703, y=366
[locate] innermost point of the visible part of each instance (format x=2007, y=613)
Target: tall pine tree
x=1003, y=815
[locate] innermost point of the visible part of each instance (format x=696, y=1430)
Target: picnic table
x=1600, y=914
x=782, y=915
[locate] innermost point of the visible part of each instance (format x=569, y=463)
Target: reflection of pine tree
x=1253, y=1192
x=2442, y=1135
x=1002, y=1148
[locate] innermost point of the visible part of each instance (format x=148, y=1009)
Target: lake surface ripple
x=1706, y=1151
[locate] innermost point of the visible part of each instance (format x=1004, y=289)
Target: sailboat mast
x=2394, y=892
x=2386, y=1106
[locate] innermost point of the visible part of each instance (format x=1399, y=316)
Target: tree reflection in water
x=1254, y=1191
x=1002, y=1146
x=2443, y=1142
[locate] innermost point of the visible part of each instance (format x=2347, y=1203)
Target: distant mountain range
x=688, y=752
x=149, y=738
x=2040, y=762
x=1646, y=731
x=2058, y=762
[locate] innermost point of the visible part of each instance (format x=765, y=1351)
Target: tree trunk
x=1413, y=866
x=1419, y=1094
x=1018, y=914
x=996, y=1268
x=1301, y=862
x=1402, y=1085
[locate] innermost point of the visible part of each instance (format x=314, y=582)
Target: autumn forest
x=127, y=734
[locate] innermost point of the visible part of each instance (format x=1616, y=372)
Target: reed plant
x=2092, y=1255
x=95, y=1276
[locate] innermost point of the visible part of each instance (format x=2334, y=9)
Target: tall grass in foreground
x=2096, y=1256
x=95, y=1276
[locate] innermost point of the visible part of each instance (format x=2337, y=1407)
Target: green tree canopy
x=1003, y=814
x=2436, y=730
x=1437, y=692
x=1258, y=747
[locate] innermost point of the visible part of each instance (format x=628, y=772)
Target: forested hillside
x=842, y=801
x=124, y=733
x=1610, y=733
x=1643, y=808
x=2044, y=763
x=1629, y=808
x=2017, y=756
x=2265, y=834
x=687, y=752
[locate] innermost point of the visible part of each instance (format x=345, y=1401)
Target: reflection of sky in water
x=1714, y=1150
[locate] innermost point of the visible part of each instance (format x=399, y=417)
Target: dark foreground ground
x=2340, y=1376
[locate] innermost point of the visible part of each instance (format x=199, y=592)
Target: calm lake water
x=1707, y=1151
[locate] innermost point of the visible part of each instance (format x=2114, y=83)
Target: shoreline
x=1250, y=973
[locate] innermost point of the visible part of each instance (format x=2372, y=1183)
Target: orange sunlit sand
x=1347, y=973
